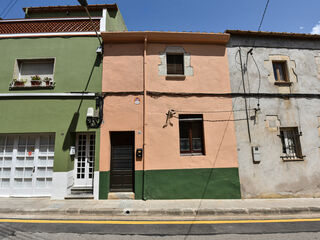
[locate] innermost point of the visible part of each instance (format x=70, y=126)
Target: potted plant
x=35, y=80
x=19, y=82
x=48, y=81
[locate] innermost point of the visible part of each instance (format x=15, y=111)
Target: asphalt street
x=255, y=229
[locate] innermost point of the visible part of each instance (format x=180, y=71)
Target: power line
x=5, y=9
x=259, y=78
x=9, y=9
x=264, y=12
x=217, y=111
x=220, y=120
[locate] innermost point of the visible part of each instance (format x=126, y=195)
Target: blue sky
x=201, y=15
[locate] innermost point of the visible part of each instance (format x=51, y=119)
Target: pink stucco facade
x=131, y=71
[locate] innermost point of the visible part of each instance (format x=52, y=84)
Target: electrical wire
x=5, y=9
x=219, y=120
x=259, y=74
x=218, y=111
x=260, y=25
x=264, y=13
x=235, y=60
x=8, y=9
x=245, y=99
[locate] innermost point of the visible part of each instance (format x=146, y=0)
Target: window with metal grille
x=191, y=133
x=280, y=71
x=175, y=64
x=290, y=139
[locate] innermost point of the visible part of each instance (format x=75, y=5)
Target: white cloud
x=316, y=29
x=301, y=28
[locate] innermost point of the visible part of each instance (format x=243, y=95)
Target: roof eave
x=166, y=37
x=70, y=8
x=273, y=34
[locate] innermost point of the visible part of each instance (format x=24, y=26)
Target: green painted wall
x=76, y=61
x=64, y=14
x=138, y=184
x=77, y=69
x=59, y=116
x=115, y=21
x=216, y=183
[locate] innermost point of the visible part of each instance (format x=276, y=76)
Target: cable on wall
x=245, y=99
x=259, y=75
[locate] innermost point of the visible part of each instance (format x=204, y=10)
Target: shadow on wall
x=69, y=139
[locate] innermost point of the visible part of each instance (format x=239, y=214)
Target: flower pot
x=35, y=83
x=18, y=84
x=48, y=83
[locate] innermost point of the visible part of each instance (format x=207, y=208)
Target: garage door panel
x=26, y=164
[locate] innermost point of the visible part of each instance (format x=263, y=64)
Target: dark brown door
x=122, y=159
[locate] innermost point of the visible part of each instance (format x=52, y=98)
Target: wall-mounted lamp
x=95, y=116
x=99, y=50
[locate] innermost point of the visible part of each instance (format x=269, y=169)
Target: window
x=280, y=71
x=33, y=73
x=175, y=64
x=191, y=133
x=290, y=139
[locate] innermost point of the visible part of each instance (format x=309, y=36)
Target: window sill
x=286, y=159
x=31, y=87
x=191, y=154
x=282, y=83
x=175, y=77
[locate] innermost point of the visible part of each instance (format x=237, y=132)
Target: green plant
x=20, y=80
x=35, y=78
x=47, y=79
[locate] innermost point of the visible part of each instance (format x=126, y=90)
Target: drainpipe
x=144, y=117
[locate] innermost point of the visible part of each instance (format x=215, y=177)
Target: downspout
x=144, y=117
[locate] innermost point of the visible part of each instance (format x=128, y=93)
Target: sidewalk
x=46, y=208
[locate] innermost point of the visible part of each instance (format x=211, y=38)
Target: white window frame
x=27, y=80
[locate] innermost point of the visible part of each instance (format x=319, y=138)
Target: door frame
x=133, y=157
x=89, y=182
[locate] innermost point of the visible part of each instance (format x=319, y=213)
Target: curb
x=165, y=212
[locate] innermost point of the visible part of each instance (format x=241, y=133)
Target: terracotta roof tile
x=45, y=26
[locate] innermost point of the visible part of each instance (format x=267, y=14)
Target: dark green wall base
x=104, y=185
x=216, y=183
x=138, y=184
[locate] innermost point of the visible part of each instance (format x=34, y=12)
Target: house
x=275, y=79
x=168, y=130
x=50, y=80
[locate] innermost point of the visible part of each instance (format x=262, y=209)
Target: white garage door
x=26, y=164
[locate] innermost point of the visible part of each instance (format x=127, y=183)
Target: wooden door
x=122, y=162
